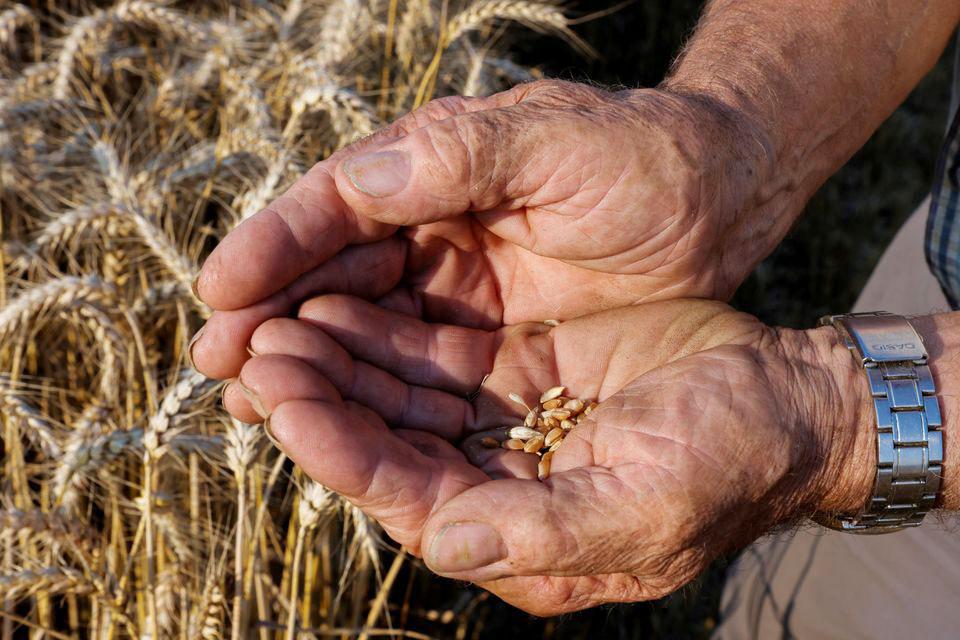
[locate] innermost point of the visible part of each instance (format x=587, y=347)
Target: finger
x=547, y=596
x=296, y=232
x=366, y=270
x=467, y=162
x=398, y=403
x=579, y=522
x=270, y=380
x=433, y=355
x=402, y=300
x=310, y=222
x=238, y=404
x=482, y=153
x=382, y=474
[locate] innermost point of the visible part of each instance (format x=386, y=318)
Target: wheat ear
x=241, y=449
x=14, y=18
x=33, y=424
x=118, y=184
x=50, y=580
x=539, y=16
x=50, y=526
x=63, y=293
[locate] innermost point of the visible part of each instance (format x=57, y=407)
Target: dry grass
x=134, y=135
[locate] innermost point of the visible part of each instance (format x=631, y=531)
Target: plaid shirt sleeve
x=943, y=228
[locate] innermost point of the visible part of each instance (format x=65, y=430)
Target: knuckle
x=467, y=150
x=446, y=107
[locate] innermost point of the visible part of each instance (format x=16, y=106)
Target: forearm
x=817, y=77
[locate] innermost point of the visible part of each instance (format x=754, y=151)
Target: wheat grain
x=544, y=429
x=552, y=393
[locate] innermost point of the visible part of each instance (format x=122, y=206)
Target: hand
x=711, y=428
x=579, y=200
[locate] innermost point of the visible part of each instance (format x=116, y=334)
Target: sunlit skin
x=617, y=208
x=641, y=496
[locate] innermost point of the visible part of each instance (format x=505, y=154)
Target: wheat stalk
x=241, y=448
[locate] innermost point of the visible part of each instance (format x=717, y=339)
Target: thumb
x=577, y=523
x=468, y=162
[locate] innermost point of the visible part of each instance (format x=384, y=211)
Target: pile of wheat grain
x=134, y=135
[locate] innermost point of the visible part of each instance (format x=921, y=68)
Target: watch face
x=885, y=338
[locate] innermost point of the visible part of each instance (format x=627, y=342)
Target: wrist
x=827, y=400
x=829, y=395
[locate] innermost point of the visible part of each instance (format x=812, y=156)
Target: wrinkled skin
x=642, y=495
x=552, y=200
x=578, y=200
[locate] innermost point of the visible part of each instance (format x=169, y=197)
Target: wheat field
x=133, y=136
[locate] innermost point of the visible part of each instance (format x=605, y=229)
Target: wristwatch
x=909, y=437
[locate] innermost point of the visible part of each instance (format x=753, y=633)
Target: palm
x=645, y=446
x=475, y=270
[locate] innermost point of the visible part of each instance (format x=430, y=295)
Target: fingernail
x=462, y=546
x=379, y=174
x=195, y=286
x=253, y=354
x=254, y=399
x=223, y=390
x=193, y=341
x=272, y=438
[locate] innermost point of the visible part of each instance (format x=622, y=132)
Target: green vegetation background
x=819, y=268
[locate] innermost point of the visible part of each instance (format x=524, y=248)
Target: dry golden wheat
x=134, y=134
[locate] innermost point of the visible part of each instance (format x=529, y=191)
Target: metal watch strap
x=909, y=438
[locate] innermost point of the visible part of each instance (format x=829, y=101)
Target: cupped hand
x=550, y=200
x=711, y=428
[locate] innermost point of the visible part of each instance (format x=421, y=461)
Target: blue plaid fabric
x=943, y=227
